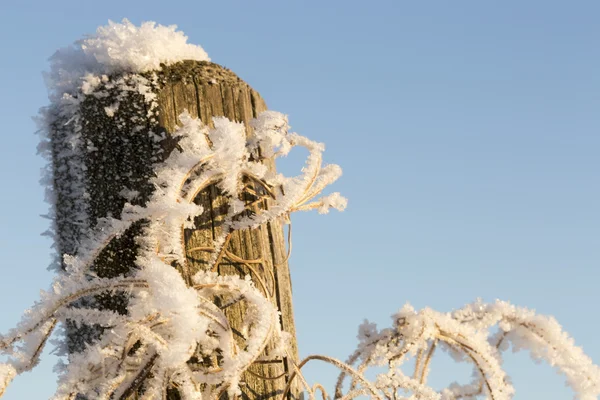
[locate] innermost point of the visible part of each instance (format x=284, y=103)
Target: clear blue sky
x=468, y=132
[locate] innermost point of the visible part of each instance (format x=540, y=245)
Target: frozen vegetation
x=169, y=319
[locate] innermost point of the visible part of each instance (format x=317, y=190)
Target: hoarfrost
x=169, y=317
x=110, y=110
x=467, y=335
x=118, y=48
x=169, y=320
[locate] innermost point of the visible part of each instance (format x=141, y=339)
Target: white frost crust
x=7, y=374
x=465, y=334
x=118, y=47
x=171, y=318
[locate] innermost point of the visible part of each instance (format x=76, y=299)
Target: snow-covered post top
x=159, y=157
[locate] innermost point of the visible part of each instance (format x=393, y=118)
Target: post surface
x=118, y=134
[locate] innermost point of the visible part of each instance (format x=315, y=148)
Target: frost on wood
x=118, y=47
x=172, y=331
x=167, y=321
x=115, y=66
x=115, y=166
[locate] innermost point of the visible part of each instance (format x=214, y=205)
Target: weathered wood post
x=120, y=140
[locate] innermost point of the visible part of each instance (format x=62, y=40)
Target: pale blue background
x=468, y=132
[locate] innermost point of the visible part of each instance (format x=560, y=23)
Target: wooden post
x=118, y=134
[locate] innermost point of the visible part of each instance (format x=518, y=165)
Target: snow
x=112, y=109
x=170, y=317
x=118, y=48
x=468, y=335
x=7, y=373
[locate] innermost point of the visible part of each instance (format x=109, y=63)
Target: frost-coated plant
x=168, y=320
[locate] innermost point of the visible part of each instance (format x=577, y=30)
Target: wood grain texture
x=207, y=90
x=124, y=160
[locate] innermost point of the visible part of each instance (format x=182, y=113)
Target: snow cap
x=119, y=47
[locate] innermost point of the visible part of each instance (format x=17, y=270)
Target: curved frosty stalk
x=467, y=334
